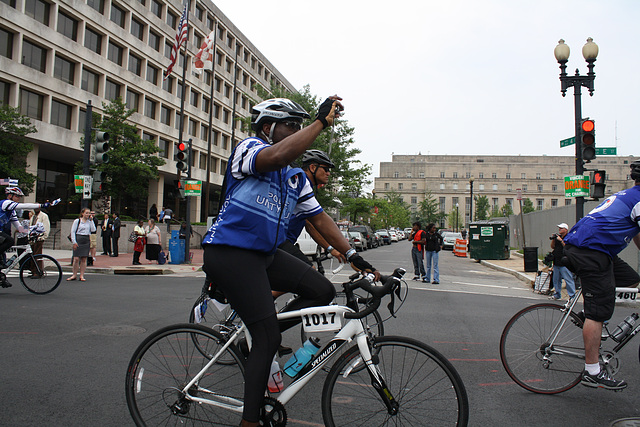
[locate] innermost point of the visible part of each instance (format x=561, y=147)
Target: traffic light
x=182, y=156
x=597, y=185
x=98, y=180
x=101, y=147
x=588, y=139
x=180, y=186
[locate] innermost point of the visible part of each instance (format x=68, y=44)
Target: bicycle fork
x=377, y=380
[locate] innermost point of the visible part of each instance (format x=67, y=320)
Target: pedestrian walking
x=153, y=241
x=138, y=246
x=115, y=234
x=417, y=238
x=80, y=231
x=433, y=245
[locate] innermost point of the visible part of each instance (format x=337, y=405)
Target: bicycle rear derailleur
x=273, y=413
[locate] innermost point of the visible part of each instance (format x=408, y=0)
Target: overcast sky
x=456, y=76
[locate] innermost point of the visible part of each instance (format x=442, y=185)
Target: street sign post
x=78, y=181
x=576, y=186
x=193, y=188
x=88, y=181
x=567, y=142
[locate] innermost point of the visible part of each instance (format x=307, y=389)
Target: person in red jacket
x=417, y=237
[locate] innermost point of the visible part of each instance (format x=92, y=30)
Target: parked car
x=393, y=236
x=307, y=245
x=366, y=231
x=401, y=235
x=449, y=238
x=384, y=235
x=359, y=241
x=377, y=240
x=348, y=237
x=407, y=231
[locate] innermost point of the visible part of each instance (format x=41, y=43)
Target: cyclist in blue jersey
x=9, y=217
x=261, y=193
x=592, y=248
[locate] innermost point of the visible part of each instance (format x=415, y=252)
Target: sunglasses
x=293, y=125
x=326, y=168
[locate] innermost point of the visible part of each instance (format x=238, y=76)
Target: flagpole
x=235, y=85
x=213, y=79
x=181, y=127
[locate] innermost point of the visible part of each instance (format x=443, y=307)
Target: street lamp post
x=470, y=199
x=590, y=53
x=457, y=219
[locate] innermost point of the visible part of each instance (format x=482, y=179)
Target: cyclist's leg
x=289, y=274
x=624, y=274
x=6, y=241
x=241, y=274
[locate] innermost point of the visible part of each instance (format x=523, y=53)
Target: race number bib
x=321, y=319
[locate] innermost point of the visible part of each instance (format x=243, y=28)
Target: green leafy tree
x=527, y=206
x=14, y=147
x=429, y=210
x=455, y=219
x=482, y=208
x=132, y=160
x=356, y=208
x=506, y=210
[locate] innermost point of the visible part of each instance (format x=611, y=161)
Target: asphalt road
x=63, y=356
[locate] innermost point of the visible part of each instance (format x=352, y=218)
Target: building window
x=554, y=187
x=34, y=56
x=442, y=185
x=4, y=92
x=163, y=145
x=509, y=202
x=31, y=104
x=97, y=5
x=209, y=22
x=408, y=174
x=199, y=13
x=67, y=26
x=539, y=204
x=112, y=90
x=538, y=176
x=154, y=40
x=135, y=64
x=524, y=187
x=90, y=81
x=567, y=202
x=480, y=175
x=414, y=186
x=11, y=3
x=553, y=176
x=150, y=108
x=137, y=28
x=6, y=44
x=414, y=200
x=203, y=161
x=509, y=187
x=38, y=10
x=64, y=70
x=205, y=104
x=508, y=176
x=165, y=115
x=167, y=49
x=227, y=91
x=455, y=174
x=204, y=132
x=193, y=126
x=540, y=188
x=455, y=185
x=61, y=114
x=400, y=186
x=494, y=175
x=554, y=203
x=193, y=100
x=523, y=175
x=386, y=185
x=481, y=186
x=495, y=187
x=133, y=100
x=152, y=74
x=93, y=41
x=214, y=164
x=172, y=20
x=225, y=142
x=117, y=15
x=167, y=84
x=225, y=115
x=421, y=175
x=156, y=8
x=396, y=174
x=115, y=53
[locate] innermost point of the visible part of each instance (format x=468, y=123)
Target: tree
x=482, y=208
x=527, y=206
x=506, y=210
x=14, y=147
x=429, y=210
x=132, y=160
x=455, y=219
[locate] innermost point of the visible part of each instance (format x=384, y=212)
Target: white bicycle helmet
x=276, y=110
x=13, y=190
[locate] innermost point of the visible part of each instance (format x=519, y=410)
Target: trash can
x=176, y=249
x=531, y=259
x=489, y=239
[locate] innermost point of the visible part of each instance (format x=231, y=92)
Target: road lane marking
x=480, y=293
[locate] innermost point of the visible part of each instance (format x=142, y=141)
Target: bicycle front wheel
x=40, y=274
x=531, y=361
x=425, y=385
x=166, y=362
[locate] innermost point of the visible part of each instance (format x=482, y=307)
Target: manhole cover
x=118, y=330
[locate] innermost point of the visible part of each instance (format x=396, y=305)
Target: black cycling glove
x=361, y=264
x=327, y=112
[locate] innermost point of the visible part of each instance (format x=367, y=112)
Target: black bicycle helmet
x=316, y=156
x=635, y=170
x=276, y=110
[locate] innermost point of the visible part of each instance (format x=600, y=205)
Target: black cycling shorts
x=599, y=275
x=293, y=249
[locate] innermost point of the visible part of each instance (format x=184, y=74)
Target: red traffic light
x=182, y=146
x=598, y=177
x=588, y=126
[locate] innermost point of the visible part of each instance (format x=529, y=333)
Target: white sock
x=592, y=368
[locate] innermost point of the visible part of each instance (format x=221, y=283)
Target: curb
x=129, y=270
x=520, y=276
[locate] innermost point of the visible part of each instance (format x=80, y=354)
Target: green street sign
x=193, y=188
x=606, y=151
x=567, y=142
x=576, y=186
x=78, y=181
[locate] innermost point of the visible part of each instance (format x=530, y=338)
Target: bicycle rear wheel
x=40, y=274
x=524, y=343
x=166, y=362
x=426, y=386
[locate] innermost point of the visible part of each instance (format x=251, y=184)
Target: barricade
x=460, y=248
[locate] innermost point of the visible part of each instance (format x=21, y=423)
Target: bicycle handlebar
x=366, y=283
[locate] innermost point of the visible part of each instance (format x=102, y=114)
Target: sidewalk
x=122, y=264
x=514, y=266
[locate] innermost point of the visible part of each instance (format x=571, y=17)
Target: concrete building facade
x=55, y=56
x=447, y=179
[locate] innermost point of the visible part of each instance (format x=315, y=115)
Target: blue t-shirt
x=611, y=226
x=257, y=207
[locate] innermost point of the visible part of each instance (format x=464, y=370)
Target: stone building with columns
x=448, y=179
x=55, y=56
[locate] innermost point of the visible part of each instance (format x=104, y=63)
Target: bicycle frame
x=27, y=252
x=353, y=328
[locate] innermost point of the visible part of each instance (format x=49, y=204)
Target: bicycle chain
x=273, y=413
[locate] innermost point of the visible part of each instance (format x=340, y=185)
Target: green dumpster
x=489, y=239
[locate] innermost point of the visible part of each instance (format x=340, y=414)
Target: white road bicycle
x=180, y=374
x=40, y=274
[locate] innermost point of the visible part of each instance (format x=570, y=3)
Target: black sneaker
x=435, y=282
x=416, y=278
x=5, y=284
x=602, y=380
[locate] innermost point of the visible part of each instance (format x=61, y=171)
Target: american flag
x=181, y=37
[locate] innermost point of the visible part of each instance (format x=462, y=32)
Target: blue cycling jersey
x=611, y=226
x=309, y=207
x=8, y=212
x=257, y=207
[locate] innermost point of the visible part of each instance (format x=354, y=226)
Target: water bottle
x=10, y=260
x=625, y=327
x=302, y=356
x=275, y=377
